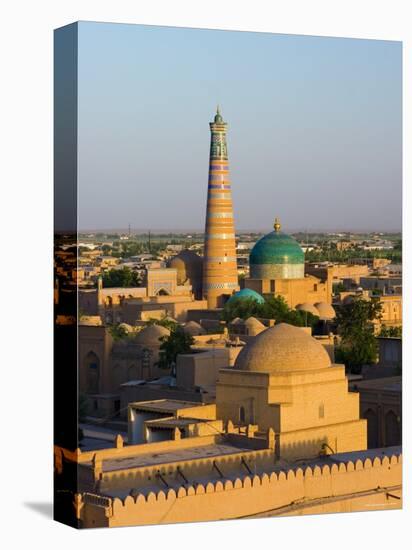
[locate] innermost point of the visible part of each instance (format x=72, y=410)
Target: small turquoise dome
x=277, y=255
x=247, y=293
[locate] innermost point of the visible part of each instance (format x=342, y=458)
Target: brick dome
x=282, y=348
x=325, y=310
x=310, y=308
x=150, y=336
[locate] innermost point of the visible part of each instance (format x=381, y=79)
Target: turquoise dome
x=247, y=293
x=277, y=256
x=277, y=248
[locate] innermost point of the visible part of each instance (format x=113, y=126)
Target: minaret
x=219, y=263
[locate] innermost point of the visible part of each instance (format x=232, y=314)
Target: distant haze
x=315, y=128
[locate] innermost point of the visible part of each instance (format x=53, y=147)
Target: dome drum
x=277, y=271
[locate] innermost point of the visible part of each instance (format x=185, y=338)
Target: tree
x=240, y=307
x=390, y=332
x=338, y=287
x=163, y=322
x=176, y=343
x=355, y=326
x=117, y=332
x=124, y=277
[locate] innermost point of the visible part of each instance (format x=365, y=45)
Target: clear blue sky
x=315, y=128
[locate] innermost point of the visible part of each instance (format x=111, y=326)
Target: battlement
x=334, y=476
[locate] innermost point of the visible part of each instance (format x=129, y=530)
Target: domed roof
x=189, y=266
x=237, y=321
x=253, y=322
x=193, y=328
x=280, y=349
x=276, y=248
x=150, y=335
x=247, y=293
x=185, y=257
x=254, y=326
x=310, y=308
x=325, y=310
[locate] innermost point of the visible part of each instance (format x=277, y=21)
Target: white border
x=26, y=274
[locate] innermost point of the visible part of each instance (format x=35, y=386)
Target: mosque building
x=277, y=268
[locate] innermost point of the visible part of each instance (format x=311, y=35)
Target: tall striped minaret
x=219, y=263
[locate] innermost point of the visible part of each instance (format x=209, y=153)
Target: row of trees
x=334, y=255
x=272, y=308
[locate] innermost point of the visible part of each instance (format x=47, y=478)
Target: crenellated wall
x=361, y=485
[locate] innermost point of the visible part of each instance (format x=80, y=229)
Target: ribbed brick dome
x=325, y=310
x=150, y=336
x=310, y=308
x=188, y=265
x=282, y=348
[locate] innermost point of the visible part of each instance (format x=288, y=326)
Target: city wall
x=344, y=486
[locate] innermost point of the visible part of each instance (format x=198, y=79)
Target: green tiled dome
x=277, y=256
x=247, y=293
x=277, y=248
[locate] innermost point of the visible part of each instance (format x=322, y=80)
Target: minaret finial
x=218, y=116
x=277, y=225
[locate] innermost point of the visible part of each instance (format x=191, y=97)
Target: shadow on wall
x=306, y=450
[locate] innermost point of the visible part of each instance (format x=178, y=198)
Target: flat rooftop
x=164, y=405
x=178, y=455
x=175, y=422
x=389, y=383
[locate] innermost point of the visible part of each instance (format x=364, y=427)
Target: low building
x=381, y=406
x=106, y=363
x=166, y=420
x=160, y=291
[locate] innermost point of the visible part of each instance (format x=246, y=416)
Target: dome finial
x=277, y=225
